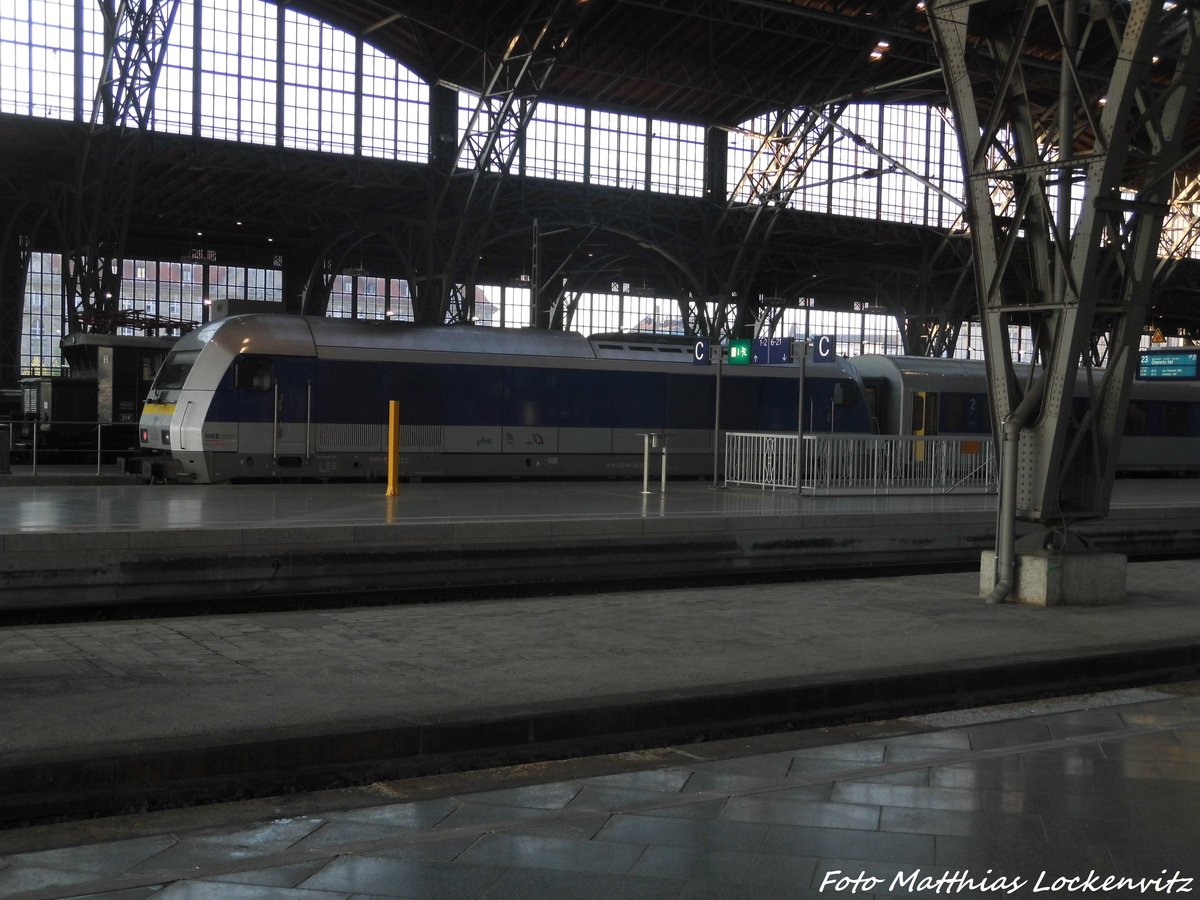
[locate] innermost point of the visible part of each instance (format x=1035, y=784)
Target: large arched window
x=226, y=75
x=318, y=85
x=874, y=161
x=37, y=58
x=238, y=67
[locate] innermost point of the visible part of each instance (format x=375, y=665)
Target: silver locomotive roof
x=310, y=335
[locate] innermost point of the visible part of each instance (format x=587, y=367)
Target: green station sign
x=740, y=352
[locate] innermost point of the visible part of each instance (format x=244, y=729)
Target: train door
x=276, y=404
x=924, y=417
x=876, y=391
x=294, y=387
x=923, y=420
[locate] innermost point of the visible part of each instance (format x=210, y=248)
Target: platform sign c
x=700, y=353
x=824, y=348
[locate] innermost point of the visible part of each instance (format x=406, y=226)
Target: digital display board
x=1168, y=365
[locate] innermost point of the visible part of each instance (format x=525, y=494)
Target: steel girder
x=789, y=150
x=776, y=170
x=135, y=43
x=490, y=143
x=1089, y=271
x=1178, y=243
x=14, y=270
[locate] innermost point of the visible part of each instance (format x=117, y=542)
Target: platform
x=1055, y=789
x=1091, y=795
x=104, y=717
x=65, y=545
x=100, y=715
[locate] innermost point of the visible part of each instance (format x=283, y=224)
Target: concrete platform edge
x=106, y=780
x=123, y=567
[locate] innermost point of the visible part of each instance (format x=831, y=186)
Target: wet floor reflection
x=1007, y=800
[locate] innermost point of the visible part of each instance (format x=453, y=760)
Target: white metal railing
x=762, y=460
x=852, y=463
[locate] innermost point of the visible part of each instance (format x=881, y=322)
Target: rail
x=861, y=464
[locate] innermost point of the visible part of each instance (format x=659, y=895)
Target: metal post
x=645, y=463
x=1005, y=561
x=803, y=345
x=716, y=348
x=393, y=486
x=99, y=444
x=664, y=464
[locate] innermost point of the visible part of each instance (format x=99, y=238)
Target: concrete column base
x=1075, y=579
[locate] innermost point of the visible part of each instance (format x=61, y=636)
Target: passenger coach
x=909, y=395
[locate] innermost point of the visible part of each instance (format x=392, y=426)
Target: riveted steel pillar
x=1108, y=132
x=492, y=141
x=135, y=44
x=14, y=268
x=1065, y=208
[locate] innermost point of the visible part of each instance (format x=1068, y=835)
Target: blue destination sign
x=1174, y=366
x=771, y=351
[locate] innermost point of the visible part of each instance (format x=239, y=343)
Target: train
x=296, y=397
x=266, y=398
x=922, y=396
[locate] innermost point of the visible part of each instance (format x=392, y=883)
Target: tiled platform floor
x=1025, y=797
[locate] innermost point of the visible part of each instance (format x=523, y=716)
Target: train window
x=254, y=373
x=1177, y=419
x=175, y=370
x=1135, y=418
x=962, y=413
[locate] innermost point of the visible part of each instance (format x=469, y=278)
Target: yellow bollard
x=393, y=488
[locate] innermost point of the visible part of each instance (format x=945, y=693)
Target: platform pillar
x=1055, y=578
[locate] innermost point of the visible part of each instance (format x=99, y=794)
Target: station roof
x=711, y=62
x=717, y=62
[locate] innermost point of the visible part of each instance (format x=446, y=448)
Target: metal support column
x=14, y=270
x=1110, y=141
x=493, y=138
x=135, y=44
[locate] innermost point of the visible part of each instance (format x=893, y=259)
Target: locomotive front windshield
x=174, y=371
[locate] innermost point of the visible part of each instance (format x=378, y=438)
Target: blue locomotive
x=297, y=397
